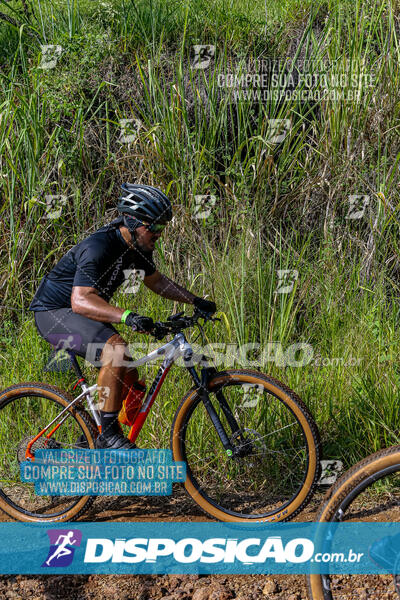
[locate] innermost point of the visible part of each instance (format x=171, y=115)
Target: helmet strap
x=131, y=224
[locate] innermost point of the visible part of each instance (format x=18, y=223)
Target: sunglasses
x=155, y=227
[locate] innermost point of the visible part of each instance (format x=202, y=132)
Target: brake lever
x=179, y=324
x=206, y=316
x=175, y=317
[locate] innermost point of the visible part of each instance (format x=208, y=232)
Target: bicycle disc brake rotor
x=40, y=443
x=252, y=438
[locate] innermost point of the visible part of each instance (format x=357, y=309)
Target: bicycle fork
x=202, y=388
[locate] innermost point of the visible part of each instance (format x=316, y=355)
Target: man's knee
x=131, y=375
x=115, y=353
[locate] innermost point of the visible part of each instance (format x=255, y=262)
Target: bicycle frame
x=172, y=351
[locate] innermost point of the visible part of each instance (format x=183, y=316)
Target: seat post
x=75, y=364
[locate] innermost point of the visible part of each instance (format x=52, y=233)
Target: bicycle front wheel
x=274, y=473
x=25, y=409
x=370, y=492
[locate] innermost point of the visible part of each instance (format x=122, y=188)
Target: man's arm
x=87, y=302
x=165, y=287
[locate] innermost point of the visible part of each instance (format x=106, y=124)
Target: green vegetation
x=279, y=206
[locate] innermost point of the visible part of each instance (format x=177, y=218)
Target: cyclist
x=71, y=305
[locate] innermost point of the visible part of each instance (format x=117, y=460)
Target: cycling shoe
x=114, y=442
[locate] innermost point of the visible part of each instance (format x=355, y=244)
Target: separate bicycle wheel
x=370, y=492
x=276, y=464
x=25, y=409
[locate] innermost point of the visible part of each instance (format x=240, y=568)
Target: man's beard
x=141, y=245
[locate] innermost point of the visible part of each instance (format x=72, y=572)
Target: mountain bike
x=369, y=491
x=250, y=445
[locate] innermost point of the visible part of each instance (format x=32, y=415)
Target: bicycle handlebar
x=176, y=323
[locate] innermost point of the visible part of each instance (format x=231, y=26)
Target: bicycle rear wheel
x=275, y=475
x=25, y=409
x=370, y=492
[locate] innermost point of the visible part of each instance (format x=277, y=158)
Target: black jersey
x=101, y=261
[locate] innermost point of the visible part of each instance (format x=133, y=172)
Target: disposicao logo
x=62, y=547
x=190, y=550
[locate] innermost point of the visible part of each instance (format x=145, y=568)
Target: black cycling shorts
x=64, y=329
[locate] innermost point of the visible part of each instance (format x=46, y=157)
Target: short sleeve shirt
x=102, y=261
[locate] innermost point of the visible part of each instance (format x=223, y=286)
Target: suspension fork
x=233, y=424
x=202, y=389
x=235, y=428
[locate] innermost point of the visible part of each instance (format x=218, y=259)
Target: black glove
x=139, y=323
x=205, y=306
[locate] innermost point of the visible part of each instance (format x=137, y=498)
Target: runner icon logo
x=60, y=552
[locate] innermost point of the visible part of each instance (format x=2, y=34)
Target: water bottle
x=132, y=403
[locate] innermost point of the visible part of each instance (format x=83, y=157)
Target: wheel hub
x=247, y=441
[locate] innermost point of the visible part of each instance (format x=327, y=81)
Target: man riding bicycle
x=73, y=299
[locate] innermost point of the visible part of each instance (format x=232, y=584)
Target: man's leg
x=114, y=381
x=115, y=377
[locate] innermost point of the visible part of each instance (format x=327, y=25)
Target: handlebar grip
x=177, y=323
x=159, y=330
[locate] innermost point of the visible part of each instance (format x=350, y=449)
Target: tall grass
x=278, y=206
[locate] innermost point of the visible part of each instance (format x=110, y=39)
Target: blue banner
x=143, y=548
x=72, y=472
